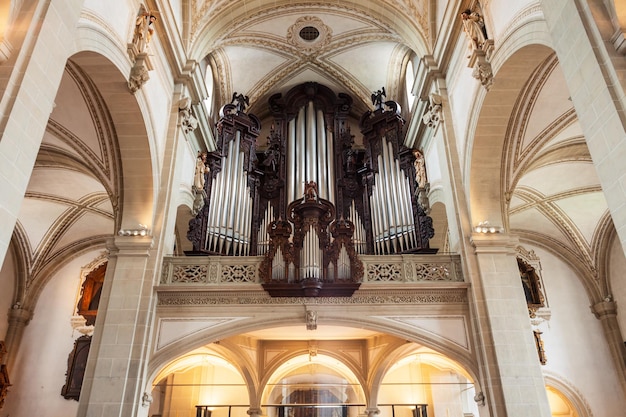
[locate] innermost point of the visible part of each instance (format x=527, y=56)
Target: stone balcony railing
x=224, y=270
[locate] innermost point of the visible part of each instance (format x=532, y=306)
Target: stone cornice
x=452, y=294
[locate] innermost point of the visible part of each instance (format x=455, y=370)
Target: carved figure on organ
x=201, y=169
x=240, y=101
x=310, y=191
x=377, y=98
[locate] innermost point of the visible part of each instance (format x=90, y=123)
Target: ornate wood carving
x=4, y=375
x=310, y=215
x=76, y=364
x=310, y=142
x=385, y=126
x=233, y=121
x=90, y=299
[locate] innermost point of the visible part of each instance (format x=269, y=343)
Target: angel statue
x=377, y=98
x=240, y=101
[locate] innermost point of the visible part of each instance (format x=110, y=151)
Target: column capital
x=19, y=314
x=604, y=309
x=130, y=245
x=501, y=243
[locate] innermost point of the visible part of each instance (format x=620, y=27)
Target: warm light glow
x=4, y=17
x=559, y=404
x=142, y=230
x=323, y=369
x=486, y=227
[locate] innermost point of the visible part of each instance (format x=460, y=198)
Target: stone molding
x=188, y=297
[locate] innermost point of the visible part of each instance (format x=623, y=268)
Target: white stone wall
x=575, y=345
x=38, y=373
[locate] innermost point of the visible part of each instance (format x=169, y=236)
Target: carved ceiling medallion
x=307, y=25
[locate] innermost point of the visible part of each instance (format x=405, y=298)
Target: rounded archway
x=336, y=371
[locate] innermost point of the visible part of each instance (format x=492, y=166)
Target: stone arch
x=135, y=141
x=222, y=21
x=257, y=387
x=395, y=354
x=451, y=350
x=350, y=372
x=513, y=62
x=569, y=393
x=237, y=360
x=106, y=62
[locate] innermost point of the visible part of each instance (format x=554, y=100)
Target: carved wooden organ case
x=310, y=202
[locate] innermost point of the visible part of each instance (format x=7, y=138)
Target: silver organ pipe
x=300, y=153
x=278, y=266
x=343, y=265
x=320, y=135
x=359, y=230
x=309, y=154
x=395, y=227
x=330, y=163
x=231, y=205
x=392, y=225
x=291, y=157
x=263, y=240
x=311, y=144
x=310, y=255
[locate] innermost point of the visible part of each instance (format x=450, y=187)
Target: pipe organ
x=311, y=201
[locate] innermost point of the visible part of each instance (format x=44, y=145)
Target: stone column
x=516, y=386
x=606, y=312
x=591, y=69
x=114, y=381
x=18, y=319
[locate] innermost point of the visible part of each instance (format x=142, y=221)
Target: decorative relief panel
x=422, y=296
x=244, y=270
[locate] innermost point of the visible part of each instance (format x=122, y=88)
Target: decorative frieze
x=365, y=297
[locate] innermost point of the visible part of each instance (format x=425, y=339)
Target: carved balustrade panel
x=220, y=270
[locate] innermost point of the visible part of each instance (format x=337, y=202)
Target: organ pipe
x=322, y=156
x=230, y=213
x=309, y=154
x=291, y=157
x=391, y=205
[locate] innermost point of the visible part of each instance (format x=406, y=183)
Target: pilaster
x=113, y=383
x=18, y=319
x=516, y=383
x=606, y=312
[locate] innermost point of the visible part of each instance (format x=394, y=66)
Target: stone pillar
x=114, y=377
x=606, y=312
x=515, y=386
x=594, y=82
x=18, y=319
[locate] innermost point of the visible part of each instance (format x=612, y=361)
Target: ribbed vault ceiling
x=554, y=196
